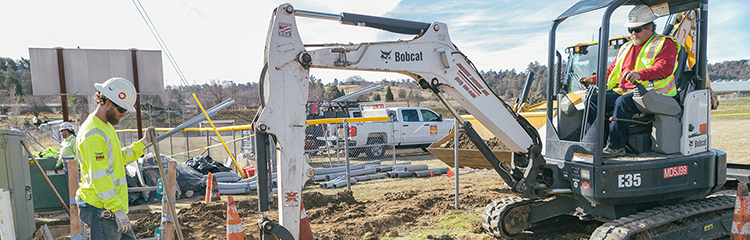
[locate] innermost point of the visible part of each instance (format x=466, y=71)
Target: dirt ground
x=381, y=209
x=407, y=208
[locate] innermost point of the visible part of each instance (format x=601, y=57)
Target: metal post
x=346, y=154
x=208, y=143
x=63, y=90
x=187, y=144
x=133, y=54
x=393, y=138
x=338, y=146
x=455, y=157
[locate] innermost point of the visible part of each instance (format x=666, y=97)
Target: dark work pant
x=104, y=229
x=617, y=132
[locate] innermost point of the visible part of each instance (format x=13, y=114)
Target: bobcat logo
x=385, y=55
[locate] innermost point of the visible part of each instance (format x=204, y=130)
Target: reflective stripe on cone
x=235, y=231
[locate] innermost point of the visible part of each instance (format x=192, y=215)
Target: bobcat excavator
x=663, y=192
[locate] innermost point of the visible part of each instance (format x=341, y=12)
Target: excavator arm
x=430, y=58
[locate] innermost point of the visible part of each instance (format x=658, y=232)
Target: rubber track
x=493, y=214
x=626, y=227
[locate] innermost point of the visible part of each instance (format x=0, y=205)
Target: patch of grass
x=455, y=225
x=733, y=106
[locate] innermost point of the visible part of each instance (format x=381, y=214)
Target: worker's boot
x=610, y=153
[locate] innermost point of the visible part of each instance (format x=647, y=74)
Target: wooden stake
x=170, y=204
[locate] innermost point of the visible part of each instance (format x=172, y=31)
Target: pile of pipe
x=230, y=183
x=334, y=177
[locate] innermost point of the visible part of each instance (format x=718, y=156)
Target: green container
x=44, y=197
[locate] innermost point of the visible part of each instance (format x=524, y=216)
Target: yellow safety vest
x=102, y=164
x=67, y=150
x=646, y=59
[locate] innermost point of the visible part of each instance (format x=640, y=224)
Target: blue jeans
x=623, y=106
x=104, y=229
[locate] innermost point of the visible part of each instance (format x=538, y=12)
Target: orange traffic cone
x=305, y=232
x=212, y=189
x=235, y=231
x=741, y=223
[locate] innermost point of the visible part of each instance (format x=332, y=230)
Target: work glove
x=58, y=168
x=147, y=135
x=123, y=221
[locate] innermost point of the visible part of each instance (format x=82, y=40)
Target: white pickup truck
x=409, y=127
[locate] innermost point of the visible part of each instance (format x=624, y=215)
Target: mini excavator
x=668, y=178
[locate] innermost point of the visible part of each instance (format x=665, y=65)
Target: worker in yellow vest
x=67, y=147
x=647, y=59
x=102, y=197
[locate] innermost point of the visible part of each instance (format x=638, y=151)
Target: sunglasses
x=120, y=109
x=636, y=30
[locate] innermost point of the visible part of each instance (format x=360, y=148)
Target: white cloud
x=225, y=41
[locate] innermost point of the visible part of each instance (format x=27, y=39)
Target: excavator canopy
x=669, y=6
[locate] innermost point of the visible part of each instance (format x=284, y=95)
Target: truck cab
x=418, y=125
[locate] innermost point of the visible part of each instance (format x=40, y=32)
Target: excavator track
x=507, y=217
x=700, y=219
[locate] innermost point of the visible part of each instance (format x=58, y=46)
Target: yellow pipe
x=350, y=120
x=217, y=134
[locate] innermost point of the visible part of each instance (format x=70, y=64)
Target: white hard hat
x=120, y=91
x=640, y=15
x=67, y=126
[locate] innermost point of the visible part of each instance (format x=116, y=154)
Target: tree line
x=15, y=87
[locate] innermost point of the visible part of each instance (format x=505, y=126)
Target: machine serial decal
x=629, y=180
x=285, y=30
x=675, y=171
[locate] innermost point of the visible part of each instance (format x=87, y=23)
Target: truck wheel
x=354, y=152
x=376, y=152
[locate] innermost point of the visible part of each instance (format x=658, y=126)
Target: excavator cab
x=670, y=182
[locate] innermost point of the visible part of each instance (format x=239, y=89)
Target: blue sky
x=225, y=41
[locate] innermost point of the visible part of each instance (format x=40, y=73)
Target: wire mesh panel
x=327, y=145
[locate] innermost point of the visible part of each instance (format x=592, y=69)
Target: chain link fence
x=333, y=144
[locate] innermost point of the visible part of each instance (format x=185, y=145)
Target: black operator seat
x=666, y=128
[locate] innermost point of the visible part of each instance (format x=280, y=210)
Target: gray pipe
x=323, y=171
x=343, y=183
x=410, y=168
x=399, y=174
x=233, y=185
x=233, y=191
x=229, y=179
x=430, y=172
x=223, y=174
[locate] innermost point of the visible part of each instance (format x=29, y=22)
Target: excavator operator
x=647, y=59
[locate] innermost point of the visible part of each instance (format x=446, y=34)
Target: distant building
x=734, y=88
